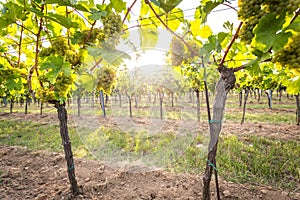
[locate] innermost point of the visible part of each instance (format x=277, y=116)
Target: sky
x=156, y=56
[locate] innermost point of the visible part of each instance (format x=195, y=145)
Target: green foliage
x=11, y=12
x=148, y=37
x=118, y=5
x=41, y=136
x=268, y=27
x=10, y=78
x=205, y=8
x=258, y=159
x=167, y=5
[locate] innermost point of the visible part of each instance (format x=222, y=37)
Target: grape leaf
x=266, y=32
x=118, y=5
x=203, y=10
x=97, y=15
x=177, y=17
x=148, y=37
x=4, y=23
x=113, y=57
x=253, y=66
x=53, y=65
x=295, y=25
x=168, y=5
x=195, y=26
x=14, y=84
x=293, y=85
x=205, y=31
x=81, y=8
x=155, y=2
x=62, y=20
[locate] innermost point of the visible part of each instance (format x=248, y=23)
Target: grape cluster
x=251, y=11
x=60, y=46
x=289, y=56
x=105, y=78
x=177, y=51
x=190, y=53
x=63, y=84
x=45, y=94
x=85, y=37
x=112, y=28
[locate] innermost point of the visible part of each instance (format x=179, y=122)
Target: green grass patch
x=270, y=117
x=259, y=160
x=37, y=136
x=249, y=159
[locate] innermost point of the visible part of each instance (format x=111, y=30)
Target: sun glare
x=146, y=57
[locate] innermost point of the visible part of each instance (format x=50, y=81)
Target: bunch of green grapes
x=83, y=37
x=280, y=6
x=177, y=51
x=60, y=46
x=112, y=28
x=106, y=77
x=251, y=11
x=289, y=55
x=63, y=85
x=45, y=94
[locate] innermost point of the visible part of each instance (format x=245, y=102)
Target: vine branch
x=20, y=46
x=297, y=12
x=230, y=6
x=128, y=10
x=230, y=44
x=8, y=60
x=35, y=66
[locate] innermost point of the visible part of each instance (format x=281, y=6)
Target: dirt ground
x=28, y=174
x=42, y=175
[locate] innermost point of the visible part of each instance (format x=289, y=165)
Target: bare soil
x=42, y=175
x=27, y=174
